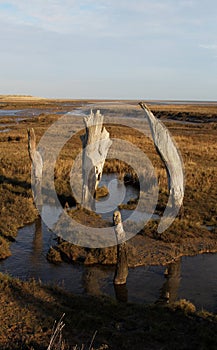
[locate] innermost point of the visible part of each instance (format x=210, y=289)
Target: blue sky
x=141, y=49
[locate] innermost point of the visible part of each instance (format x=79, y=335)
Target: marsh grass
x=29, y=309
x=197, y=145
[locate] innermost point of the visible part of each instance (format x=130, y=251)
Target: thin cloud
x=104, y=18
x=58, y=16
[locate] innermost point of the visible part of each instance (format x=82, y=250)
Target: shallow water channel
x=18, y=115
x=192, y=278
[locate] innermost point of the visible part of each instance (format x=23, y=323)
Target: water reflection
x=98, y=280
x=121, y=292
x=37, y=242
x=170, y=288
x=192, y=278
x=93, y=280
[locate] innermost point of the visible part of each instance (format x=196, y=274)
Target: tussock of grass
x=186, y=306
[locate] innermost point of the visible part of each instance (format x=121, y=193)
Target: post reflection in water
x=145, y=284
x=121, y=292
x=98, y=281
x=170, y=288
x=37, y=242
x=93, y=280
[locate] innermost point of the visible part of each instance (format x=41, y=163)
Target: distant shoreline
x=17, y=98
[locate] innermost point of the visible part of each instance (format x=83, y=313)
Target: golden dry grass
x=28, y=309
x=197, y=144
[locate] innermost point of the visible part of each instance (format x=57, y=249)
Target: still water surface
x=192, y=278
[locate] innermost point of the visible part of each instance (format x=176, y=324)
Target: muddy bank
x=145, y=248
x=142, y=251
x=29, y=310
x=191, y=117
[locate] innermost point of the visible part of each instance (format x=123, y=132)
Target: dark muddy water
x=28, y=112
x=17, y=115
x=192, y=278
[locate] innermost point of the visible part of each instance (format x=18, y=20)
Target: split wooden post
x=171, y=158
x=37, y=166
x=96, y=143
x=122, y=261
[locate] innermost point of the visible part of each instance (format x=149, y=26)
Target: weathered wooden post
x=122, y=263
x=96, y=143
x=37, y=166
x=170, y=156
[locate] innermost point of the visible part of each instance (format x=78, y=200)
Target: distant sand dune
x=11, y=98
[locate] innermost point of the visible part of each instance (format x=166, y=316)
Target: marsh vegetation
x=27, y=324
